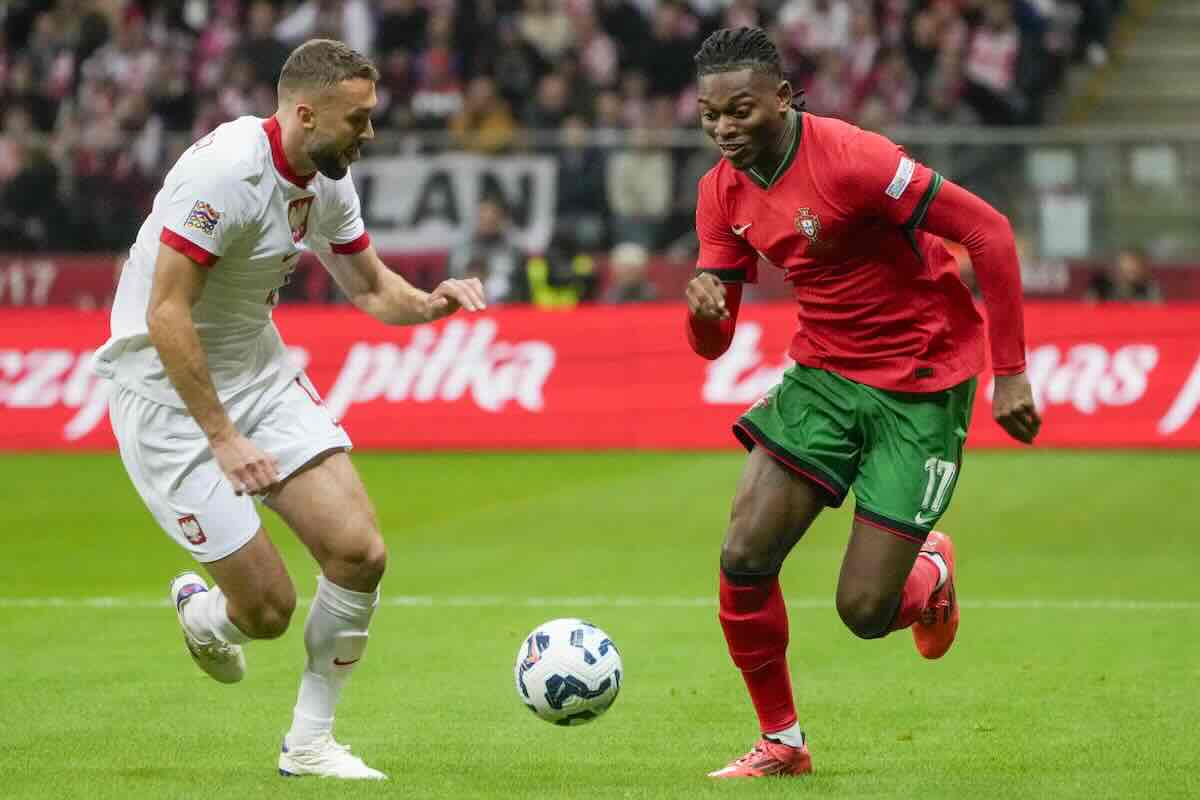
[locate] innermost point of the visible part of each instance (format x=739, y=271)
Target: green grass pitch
x=1076, y=672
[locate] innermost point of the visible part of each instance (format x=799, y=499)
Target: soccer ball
x=568, y=672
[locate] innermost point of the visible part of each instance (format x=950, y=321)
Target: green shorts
x=900, y=452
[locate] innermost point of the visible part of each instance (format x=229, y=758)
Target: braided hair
x=730, y=49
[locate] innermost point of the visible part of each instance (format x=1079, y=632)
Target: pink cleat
x=935, y=629
x=768, y=758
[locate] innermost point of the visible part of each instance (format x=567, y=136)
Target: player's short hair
x=321, y=63
x=732, y=49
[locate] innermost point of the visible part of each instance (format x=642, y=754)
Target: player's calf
x=335, y=637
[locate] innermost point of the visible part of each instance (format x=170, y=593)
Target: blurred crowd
x=98, y=97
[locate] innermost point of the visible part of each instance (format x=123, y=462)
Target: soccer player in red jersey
x=887, y=350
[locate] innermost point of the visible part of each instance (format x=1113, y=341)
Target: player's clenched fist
x=1013, y=408
x=248, y=468
x=706, y=297
x=451, y=295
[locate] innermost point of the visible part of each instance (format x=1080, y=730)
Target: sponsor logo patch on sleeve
x=203, y=218
x=902, y=178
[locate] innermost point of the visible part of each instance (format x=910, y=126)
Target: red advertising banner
x=609, y=377
x=41, y=280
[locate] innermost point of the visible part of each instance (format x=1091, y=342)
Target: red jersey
x=881, y=302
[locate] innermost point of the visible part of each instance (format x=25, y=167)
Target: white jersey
x=232, y=204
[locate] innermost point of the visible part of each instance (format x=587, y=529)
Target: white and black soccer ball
x=568, y=672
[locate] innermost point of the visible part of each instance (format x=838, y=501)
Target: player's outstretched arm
x=383, y=294
x=177, y=286
x=960, y=216
x=712, y=314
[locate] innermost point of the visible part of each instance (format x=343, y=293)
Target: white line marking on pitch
x=618, y=601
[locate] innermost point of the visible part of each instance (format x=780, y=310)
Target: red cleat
x=768, y=758
x=934, y=631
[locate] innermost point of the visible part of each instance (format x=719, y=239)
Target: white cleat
x=225, y=662
x=327, y=759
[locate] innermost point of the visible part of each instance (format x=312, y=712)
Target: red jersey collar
x=275, y=137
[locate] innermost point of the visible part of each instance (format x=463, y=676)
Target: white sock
x=940, y=563
x=206, y=616
x=793, y=736
x=335, y=636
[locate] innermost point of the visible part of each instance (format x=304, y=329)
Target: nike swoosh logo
x=738, y=230
x=921, y=519
x=338, y=663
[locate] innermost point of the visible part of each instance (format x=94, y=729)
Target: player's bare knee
x=360, y=558
x=747, y=549
x=868, y=616
x=740, y=558
x=374, y=561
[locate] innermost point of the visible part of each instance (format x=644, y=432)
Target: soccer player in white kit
x=212, y=416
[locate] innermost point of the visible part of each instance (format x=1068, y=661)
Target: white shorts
x=168, y=458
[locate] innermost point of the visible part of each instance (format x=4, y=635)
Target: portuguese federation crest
x=808, y=223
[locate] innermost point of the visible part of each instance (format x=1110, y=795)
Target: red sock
x=755, y=622
x=917, y=589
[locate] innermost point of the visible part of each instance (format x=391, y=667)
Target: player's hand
x=706, y=297
x=453, y=294
x=248, y=469
x=1013, y=408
